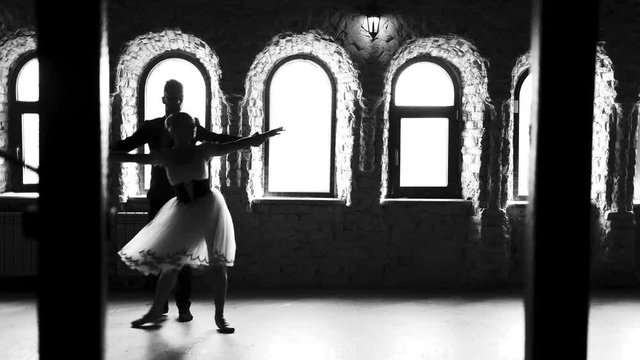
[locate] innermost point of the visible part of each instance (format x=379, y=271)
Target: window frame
x=16, y=110
x=171, y=54
x=516, y=135
x=454, y=188
x=332, y=178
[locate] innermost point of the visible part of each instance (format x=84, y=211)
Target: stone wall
x=361, y=239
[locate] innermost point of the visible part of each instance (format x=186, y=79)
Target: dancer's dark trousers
x=183, y=284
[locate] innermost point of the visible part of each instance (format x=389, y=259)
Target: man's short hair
x=173, y=86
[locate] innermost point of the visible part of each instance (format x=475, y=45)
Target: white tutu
x=196, y=234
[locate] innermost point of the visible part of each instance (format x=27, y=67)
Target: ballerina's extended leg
x=219, y=277
x=165, y=283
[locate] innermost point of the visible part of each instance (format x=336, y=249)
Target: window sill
x=425, y=201
x=19, y=201
x=458, y=206
x=517, y=203
x=298, y=201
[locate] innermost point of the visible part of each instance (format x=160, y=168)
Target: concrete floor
x=331, y=325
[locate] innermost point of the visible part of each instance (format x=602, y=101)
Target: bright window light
x=30, y=146
x=194, y=90
x=424, y=152
x=424, y=84
x=28, y=82
x=523, y=136
x=300, y=100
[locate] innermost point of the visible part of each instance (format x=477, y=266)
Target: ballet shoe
x=223, y=326
x=148, y=318
x=185, y=316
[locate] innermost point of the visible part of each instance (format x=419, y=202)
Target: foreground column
x=558, y=247
x=72, y=178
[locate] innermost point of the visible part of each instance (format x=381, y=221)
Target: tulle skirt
x=197, y=234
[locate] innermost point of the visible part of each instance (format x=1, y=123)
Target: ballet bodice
x=190, y=190
x=189, y=177
x=193, y=168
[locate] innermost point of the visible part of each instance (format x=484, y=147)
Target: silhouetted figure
x=194, y=228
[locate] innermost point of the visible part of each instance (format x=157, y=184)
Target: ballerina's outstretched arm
x=257, y=139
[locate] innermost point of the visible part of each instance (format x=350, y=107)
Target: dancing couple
x=192, y=229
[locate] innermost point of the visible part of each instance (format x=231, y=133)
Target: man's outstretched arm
x=137, y=139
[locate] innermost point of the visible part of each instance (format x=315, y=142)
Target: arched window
x=25, y=120
x=196, y=90
x=300, y=96
x=424, y=134
x=521, y=136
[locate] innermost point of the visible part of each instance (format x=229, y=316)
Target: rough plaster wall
x=135, y=56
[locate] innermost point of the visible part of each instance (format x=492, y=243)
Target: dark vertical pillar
x=563, y=67
x=71, y=48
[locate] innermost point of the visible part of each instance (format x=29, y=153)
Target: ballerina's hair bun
x=180, y=118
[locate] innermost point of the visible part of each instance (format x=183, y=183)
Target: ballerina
x=192, y=229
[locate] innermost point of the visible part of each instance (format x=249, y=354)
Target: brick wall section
x=365, y=243
x=615, y=254
x=12, y=47
x=332, y=245
x=354, y=245
x=464, y=56
x=604, y=99
x=134, y=58
x=608, y=154
x=605, y=114
x=489, y=253
x=348, y=96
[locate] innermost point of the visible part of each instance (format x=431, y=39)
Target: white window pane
x=147, y=170
x=424, y=84
x=300, y=100
x=194, y=91
x=28, y=82
x=523, y=133
x=30, y=146
x=424, y=152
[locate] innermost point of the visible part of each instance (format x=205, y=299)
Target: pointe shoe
x=147, y=318
x=223, y=325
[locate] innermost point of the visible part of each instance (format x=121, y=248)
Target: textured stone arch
x=12, y=47
x=463, y=56
x=137, y=54
x=522, y=64
x=605, y=114
x=348, y=98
